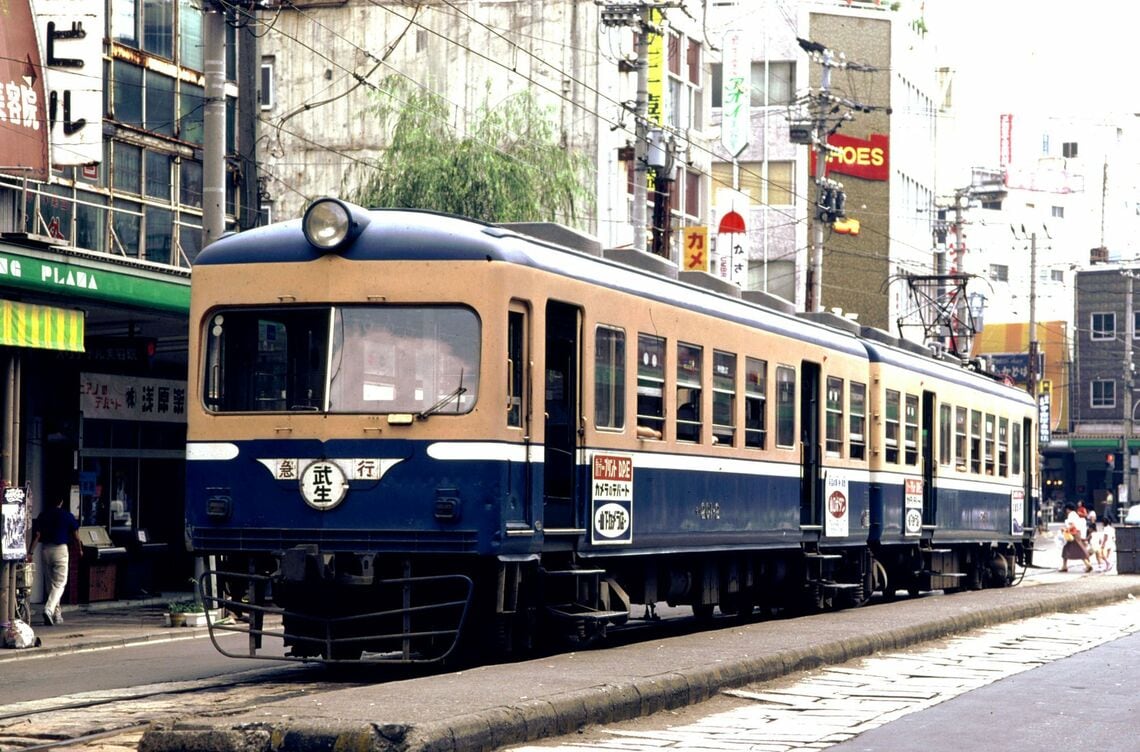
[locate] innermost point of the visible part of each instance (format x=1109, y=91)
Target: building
x=101, y=182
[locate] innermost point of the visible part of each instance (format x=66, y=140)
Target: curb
x=570, y=711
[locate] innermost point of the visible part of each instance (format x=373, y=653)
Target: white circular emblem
x=323, y=484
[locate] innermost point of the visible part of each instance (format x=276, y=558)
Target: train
x=414, y=437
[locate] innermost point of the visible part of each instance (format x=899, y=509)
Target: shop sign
x=72, y=31
x=23, y=139
x=95, y=281
x=110, y=397
x=869, y=160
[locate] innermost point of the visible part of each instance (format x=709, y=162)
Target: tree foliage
x=508, y=166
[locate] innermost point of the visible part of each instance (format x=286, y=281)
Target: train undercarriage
x=351, y=607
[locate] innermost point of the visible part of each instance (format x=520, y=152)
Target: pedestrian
x=1105, y=549
x=1073, y=530
x=1090, y=522
x=55, y=529
x=1082, y=512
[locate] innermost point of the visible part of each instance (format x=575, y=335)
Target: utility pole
x=1126, y=424
x=1032, y=375
x=214, y=124
x=638, y=15
x=819, y=145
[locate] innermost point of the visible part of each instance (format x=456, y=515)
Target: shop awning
x=40, y=326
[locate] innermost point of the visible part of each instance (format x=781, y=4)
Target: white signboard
x=132, y=398
x=736, y=92
x=72, y=36
x=836, y=505
x=611, y=484
x=912, y=507
x=1017, y=511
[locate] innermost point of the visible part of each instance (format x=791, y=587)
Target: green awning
x=40, y=326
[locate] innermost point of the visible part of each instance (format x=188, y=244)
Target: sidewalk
x=102, y=625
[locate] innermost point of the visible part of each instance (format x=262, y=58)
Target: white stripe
x=492, y=451
x=203, y=450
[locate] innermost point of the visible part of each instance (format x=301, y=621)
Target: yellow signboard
x=695, y=256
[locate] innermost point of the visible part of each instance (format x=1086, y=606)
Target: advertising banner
x=23, y=119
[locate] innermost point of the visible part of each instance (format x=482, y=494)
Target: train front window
x=398, y=359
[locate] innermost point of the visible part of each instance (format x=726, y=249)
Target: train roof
x=420, y=235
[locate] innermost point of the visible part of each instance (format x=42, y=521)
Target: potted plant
x=195, y=615
x=175, y=614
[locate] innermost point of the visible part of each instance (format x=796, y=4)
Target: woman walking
x=1074, y=531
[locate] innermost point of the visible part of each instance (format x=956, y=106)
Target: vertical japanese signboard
x=611, y=490
x=696, y=250
x=72, y=34
x=23, y=121
x=736, y=92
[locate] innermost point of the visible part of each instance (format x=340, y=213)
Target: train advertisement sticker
x=611, y=492
x=836, y=505
x=912, y=506
x=1017, y=511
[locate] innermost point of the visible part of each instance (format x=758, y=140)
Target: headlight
x=330, y=223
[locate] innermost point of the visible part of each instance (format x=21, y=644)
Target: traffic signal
x=1110, y=461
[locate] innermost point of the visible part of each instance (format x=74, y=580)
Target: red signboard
x=869, y=160
x=23, y=125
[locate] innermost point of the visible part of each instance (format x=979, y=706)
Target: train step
x=578, y=611
x=573, y=572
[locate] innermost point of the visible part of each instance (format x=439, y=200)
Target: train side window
x=785, y=407
x=834, y=417
x=857, y=422
x=975, y=442
x=724, y=398
x=609, y=377
x=891, y=424
x=1016, y=448
x=910, y=430
x=688, y=392
x=650, y=386
x=1003, y=447
x=960, y=457
x=516, y=360
x=990, y=453
x=755, y=403
x=945, y=429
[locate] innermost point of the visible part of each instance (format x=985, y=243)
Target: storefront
x=93, y=392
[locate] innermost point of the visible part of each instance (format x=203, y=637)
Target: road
x=1056, y=681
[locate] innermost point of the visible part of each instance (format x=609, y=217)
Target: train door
x=561, y=419
x=811, y=485
x=929, y=498
x=518, y=404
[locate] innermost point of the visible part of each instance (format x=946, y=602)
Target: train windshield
x=391, y=359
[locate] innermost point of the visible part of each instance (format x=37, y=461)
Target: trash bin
x=1128, y=549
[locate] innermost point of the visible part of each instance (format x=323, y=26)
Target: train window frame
x=785, y=407
x=609, y=378
x=989, y=427
x=1015, y=465
x=1003, y=447
x=755, y=403
x=910, y=429
x=892, y=423
x=316, y=381
x=976, y=442
x=961, y=440
x=650, y=386
x=688, y=424
x=945, y=433
x=833, y=416
x=857, y=421
x=517, y=360
x=724, y=398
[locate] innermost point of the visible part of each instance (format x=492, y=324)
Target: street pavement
x=492, y=706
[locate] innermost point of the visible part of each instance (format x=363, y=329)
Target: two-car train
x=411, y=431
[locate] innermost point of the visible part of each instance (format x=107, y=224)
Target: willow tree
x=508, y=165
